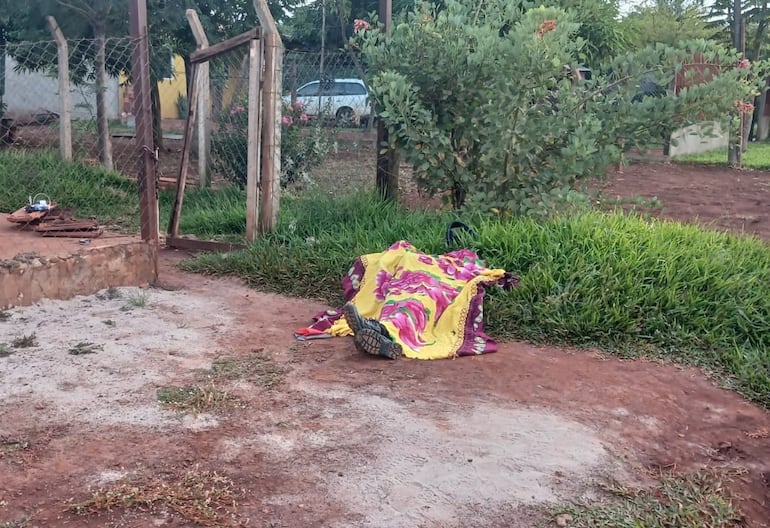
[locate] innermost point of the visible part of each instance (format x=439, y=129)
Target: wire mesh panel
x=94, y=194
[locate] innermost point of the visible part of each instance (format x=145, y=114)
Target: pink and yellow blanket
x=431, y=305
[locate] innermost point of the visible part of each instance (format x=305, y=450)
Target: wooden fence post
x=204, y=102
x=254, y=137
x=271, y=107
x=140, y=67
x=65, y=99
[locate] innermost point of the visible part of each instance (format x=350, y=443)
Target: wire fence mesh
x=42, y=191
x=327, y=138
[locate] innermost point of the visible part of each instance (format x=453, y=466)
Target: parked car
x=346, y=100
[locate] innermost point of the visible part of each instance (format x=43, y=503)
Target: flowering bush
x=303, y=146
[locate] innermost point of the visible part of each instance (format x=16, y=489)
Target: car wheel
x=345, y=117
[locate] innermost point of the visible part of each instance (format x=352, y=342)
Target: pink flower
x=425, y=259
x=287, y=120
x=744, y=64
x=743, y=107
x=382, y=282
x=410, y=317
x=298, y=105
x=303, y=117
x=361, y=25
x=237, y=109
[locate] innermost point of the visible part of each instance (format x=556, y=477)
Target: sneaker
x=374, y=343
x=357, y=323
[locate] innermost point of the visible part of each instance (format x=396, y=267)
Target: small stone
x=563, y=519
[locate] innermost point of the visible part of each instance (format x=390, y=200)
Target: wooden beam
x=140, y=67
x=204, y=101
x=254, y=137
x=215, y=50
x=271, y=105
x=202, y=245
x=65, y=99
x=184, y=165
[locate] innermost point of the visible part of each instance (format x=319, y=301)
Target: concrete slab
x=33, y=267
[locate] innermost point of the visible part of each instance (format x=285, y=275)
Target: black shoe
x=372, y=342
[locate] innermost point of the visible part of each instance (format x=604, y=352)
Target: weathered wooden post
x=204, y=101
x=65, y=99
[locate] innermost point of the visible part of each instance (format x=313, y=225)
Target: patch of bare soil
x=344, y=440
x=717, y=197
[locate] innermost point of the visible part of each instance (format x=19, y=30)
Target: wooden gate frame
x=264, y=142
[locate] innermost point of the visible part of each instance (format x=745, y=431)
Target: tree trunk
x=157, y=121
x=734, y=142
x=762, y=123
x=104, y=143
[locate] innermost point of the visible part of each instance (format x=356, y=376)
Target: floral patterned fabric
x=431, y=305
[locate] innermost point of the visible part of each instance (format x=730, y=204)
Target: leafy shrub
x=303, y=146
x=481, y=98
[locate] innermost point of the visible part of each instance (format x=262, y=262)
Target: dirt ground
x=718, y=197
x=344, y=440
x=321, y=436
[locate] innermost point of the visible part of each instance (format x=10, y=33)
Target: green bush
x=303, y=146
x=607, y=280
x=481, y=98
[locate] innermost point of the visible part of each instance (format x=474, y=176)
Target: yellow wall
x=169, y=90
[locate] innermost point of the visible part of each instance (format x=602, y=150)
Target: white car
x=347, y=100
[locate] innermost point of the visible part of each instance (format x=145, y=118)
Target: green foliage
x=757, y=156
x=478, y=97
x=665, y=22
x=606, y=280
x=303, y=145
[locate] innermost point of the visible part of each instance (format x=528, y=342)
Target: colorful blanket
x=431, y=305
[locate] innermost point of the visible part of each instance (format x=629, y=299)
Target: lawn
x=757, y=156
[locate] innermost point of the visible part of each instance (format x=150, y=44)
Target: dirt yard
x=314, y=434
x=257, y=429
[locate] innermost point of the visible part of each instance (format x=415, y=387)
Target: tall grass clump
x=89, y=191
x=207, y=213
x=317, y=240
x=595, y=279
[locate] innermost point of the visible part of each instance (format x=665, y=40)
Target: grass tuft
x=697, y=499
x=200, y=497
x=25, y=341
x=5, y=350
x=197, y=400
x=256, y=367
x=139, y=300
x=84, y=347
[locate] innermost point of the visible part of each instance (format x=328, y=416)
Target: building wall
x=690, y=141
x=170, y=88
x=27, y=93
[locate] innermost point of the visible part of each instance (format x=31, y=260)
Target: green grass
x=698, y=499
x=89, y=191
x=619, y=282
x=757, y=156
x=113, y=199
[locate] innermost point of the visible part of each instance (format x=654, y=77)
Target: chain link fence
x=68, y=153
